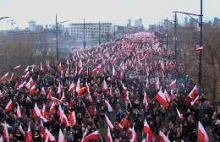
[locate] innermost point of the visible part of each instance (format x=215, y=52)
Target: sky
x=114, y=11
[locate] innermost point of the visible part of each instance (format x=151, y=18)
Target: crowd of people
x=130, y=89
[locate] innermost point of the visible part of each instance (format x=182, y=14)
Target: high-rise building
x=216, y=22
x=192, y=22
x=129, y=23
x=32, y=25
x=138, y=23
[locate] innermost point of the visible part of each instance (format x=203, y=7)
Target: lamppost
x=57, y=52
x=200, y=22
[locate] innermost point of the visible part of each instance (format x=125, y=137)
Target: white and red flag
x=109, y=136
x=26, y=70
x=36, y=111
x=61, y=137
x=160, y=97
x=93, y=136
x=4, y=77
x=148, y=131
x=9, y=106
x=30, y=83
x=33, y=90
x=179, y=114
x=145, y=102
x=193, y=92
x=97, y=69
x=52, y=109
x=17, y=67
x=28, y=137
x=199, y=49
x=157, y=84
x=162, y=137
x=18, y=111
x=133, y=135
x=202, y=135
x=42, y=130
x=71, y=88
x=195, y=101
x=173, y=84
x=114, y=73
x=5, y=132
x=59, y=89
x=109, y=123
x=104, y=86
x=109, y=107
x=147, y=83
x=78, y=86
x=72, y=118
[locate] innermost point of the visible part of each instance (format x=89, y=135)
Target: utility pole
x=84, y=34
x=201, y=43
x=57, y=39
x=175, y=40
x=99, y=33
x=167, y=32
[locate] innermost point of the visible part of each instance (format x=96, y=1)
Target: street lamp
x=200, y=22
x=57, y=52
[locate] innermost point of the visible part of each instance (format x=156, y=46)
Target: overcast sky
x=115, y=11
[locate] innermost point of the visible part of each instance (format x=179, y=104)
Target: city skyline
x=114, y=11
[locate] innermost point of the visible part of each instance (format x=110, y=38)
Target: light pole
x=57, y=52
x=84, y=34
x=99, y=33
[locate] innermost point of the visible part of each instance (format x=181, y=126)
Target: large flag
x=93, y=136
x=109, y=123
x=162, y=137
x=110, y=109
x=202, y=135
x=71, y=88
x=28, y=137
x=148, y=131
x=173, y=84
x=160, y=97
x=193, y=92
x=72, y=118
x=109, y=137
x=9, y=106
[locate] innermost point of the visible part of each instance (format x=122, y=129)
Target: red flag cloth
x=81, y=91
x=160, y=97
x=148, y=131
x=202, y=135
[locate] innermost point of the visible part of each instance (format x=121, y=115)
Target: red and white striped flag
x=52, y=109
x=160, y=97
x=199, y=49
x=114, y=73
x=33, y=90
x=147, y=84
x=26, y=70
x=109, y=123
x=109, y=107
x=9, y=106
x=162, y=137
x=148, y=131
x=157, y=85
x=36, y=111
x=202, y=135
x=72, y=118
x=78, y=86
x=3, y=78
x=42, y=130
x=22, y=85
x=48, y=136
x=133, y=135
x=173, y=84
x=109, y=136
x=193, y=92
x=59, y=89
x=93, y=136
x=59, y=68
x=18, y=111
